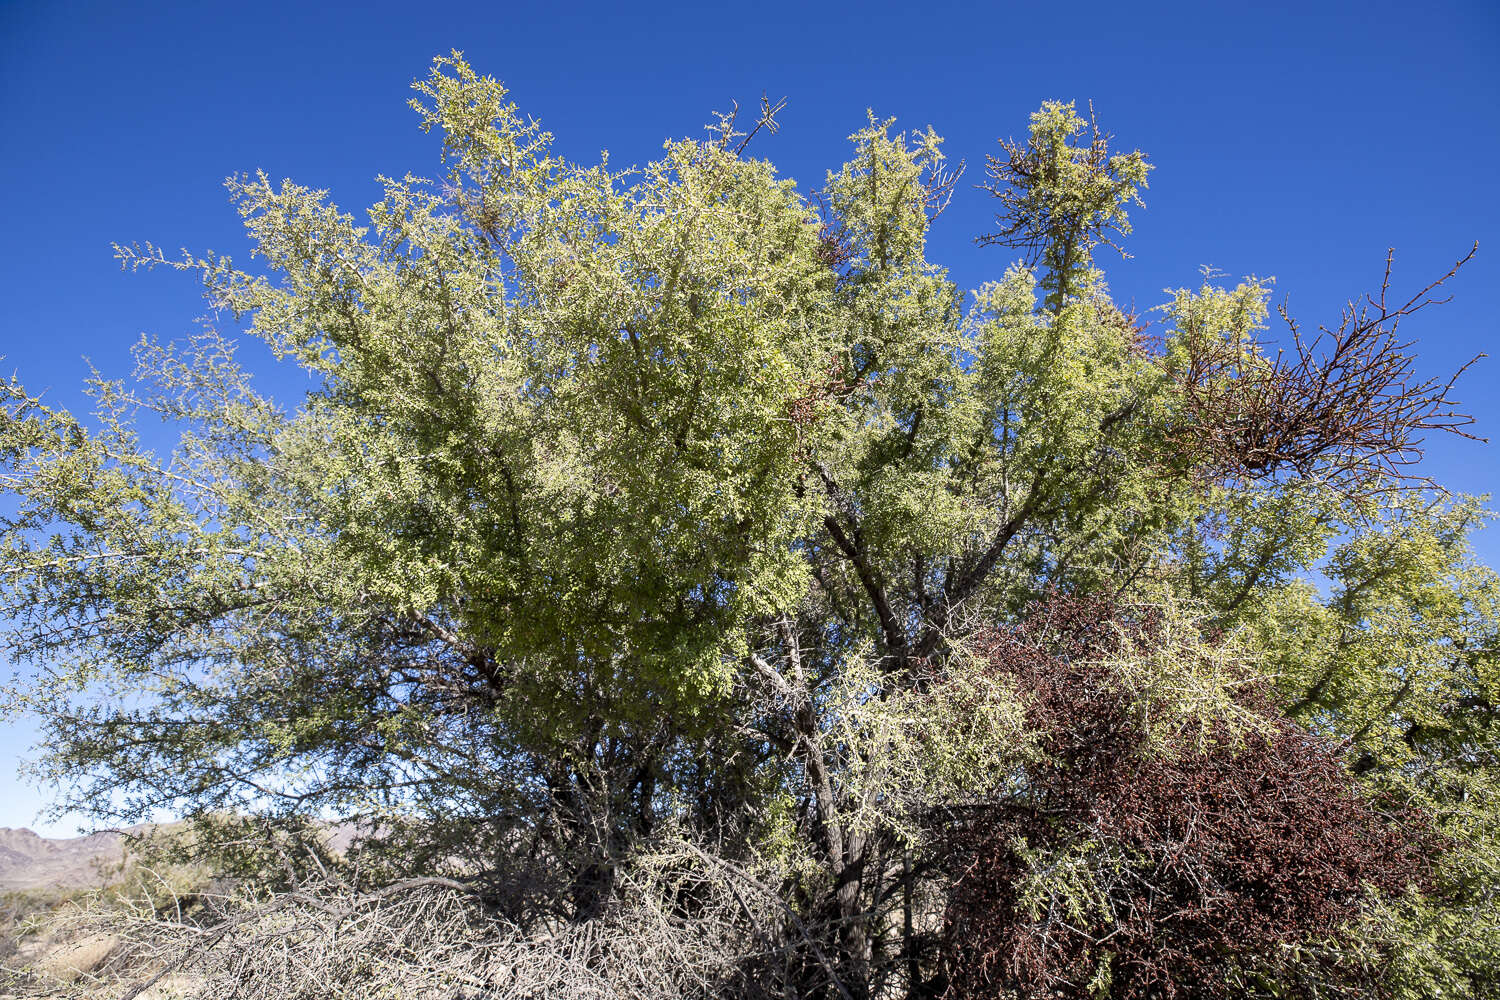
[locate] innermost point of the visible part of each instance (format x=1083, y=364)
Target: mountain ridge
x=30, y=861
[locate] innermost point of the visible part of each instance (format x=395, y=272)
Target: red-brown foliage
x=1208, y=861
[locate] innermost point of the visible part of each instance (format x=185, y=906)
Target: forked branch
x=1345, y=406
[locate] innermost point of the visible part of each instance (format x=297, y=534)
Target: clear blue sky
x=1296, y=140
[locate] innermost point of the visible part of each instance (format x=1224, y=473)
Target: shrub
x=1199, y=857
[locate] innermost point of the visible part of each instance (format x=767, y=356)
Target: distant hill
x=31, y=861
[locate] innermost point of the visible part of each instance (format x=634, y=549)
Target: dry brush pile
x=693, y=926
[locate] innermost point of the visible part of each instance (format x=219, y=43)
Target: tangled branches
x=1344, y=406
x=1191, y=871
x=686, y=926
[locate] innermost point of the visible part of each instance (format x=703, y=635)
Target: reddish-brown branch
x=1345, y=406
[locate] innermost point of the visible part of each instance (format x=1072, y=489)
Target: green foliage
x=1060, y=200
x=666, y=493
x=1402, y=658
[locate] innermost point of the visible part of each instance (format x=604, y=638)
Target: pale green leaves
x=1060, y=198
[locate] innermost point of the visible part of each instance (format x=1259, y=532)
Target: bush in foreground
x=1156, y=847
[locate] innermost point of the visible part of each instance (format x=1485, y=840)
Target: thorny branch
x=1344, y=406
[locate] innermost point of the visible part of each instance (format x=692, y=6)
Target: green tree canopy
x=635, y=499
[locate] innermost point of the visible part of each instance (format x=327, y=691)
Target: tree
x=644, y=503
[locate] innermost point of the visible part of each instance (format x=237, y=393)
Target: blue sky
x=1297, y=140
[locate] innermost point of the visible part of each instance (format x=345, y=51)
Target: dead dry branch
x=1344, y=406
x=694, y=926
